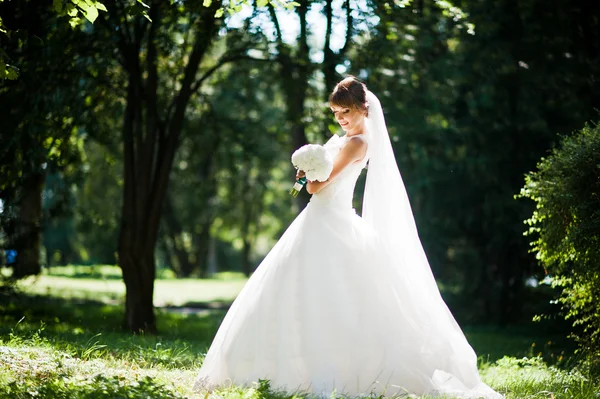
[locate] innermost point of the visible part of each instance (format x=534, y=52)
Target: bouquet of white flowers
x=315, y=161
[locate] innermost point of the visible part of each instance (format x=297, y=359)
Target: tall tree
x=158, y=93
x=155, y=108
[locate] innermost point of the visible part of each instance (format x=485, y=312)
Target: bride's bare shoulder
x=359, y=141
x=356, y=147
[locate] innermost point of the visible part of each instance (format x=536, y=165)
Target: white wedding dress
x=328, y=311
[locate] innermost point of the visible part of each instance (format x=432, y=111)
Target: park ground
x=60, y=337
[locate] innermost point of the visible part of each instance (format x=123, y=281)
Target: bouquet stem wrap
x=298, y=186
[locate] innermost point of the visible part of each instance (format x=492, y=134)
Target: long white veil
x=386, y=207
x=442, y=347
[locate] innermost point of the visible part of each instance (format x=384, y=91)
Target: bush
x=565, y=229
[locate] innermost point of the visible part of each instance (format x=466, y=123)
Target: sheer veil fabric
x=347, y=304
x=387, y=210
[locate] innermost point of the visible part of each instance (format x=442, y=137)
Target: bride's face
x=348, y=118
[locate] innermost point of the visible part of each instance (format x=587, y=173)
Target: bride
x=342, y=303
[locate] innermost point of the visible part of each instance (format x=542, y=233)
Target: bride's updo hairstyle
x=350, y=93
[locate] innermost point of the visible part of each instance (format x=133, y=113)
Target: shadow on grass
x=96, y=272
x=210, y=305
x=492, y=343
x=88, y=329
x=87, y=275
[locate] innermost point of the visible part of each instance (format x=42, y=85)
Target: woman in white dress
x=344, y=303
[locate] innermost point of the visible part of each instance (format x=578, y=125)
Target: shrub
x=565, y=229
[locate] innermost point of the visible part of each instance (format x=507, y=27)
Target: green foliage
x=74, y=8
x=71, y=9
x=565, y=228
x=100, y=387
x=97, y=211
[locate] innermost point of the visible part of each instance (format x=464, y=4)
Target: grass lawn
x=56, y=342
x=104, y=283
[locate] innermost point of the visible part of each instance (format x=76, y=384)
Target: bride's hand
x=300, y=174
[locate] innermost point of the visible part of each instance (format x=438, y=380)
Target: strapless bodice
x=340, y=191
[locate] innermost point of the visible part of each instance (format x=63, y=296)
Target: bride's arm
x=353, y=151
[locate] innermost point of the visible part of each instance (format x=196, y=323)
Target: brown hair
x=350, y=93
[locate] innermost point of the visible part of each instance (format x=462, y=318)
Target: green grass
x=54, y=346
x=51, y=344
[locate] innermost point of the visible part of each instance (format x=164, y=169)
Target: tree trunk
x=138, y=274
x=28, y=232
x=202, y=244
x=248, y=214
x=246, y=264
x=212, y=266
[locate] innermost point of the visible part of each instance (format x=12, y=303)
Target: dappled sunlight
x=47, y=339
x=532, y=377
x=49, y=373
x=71, y=284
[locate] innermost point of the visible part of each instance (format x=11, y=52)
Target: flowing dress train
x=328, y=311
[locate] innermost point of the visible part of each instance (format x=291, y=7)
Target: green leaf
x=262, y=3
x=292, y=4
x=72, y=11
x=403, y=3
x=143, y=4
x=13, y=73
x=101, y=6
x=207, y=3
x=58, y=6
x=219, y=13
x=74, y=21
x=90, y=13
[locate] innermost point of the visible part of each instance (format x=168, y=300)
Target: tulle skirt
x=327, y=311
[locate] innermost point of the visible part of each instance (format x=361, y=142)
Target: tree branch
x=302, y=10
x=328, y=29
x=207, y=74
x=276, y=23
x=152, y=69
x=198, y=83
x=151, y=98
x=122, y=39
x=206, y=30
x=349, y=29
x=118, y=5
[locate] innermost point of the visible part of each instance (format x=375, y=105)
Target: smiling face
x=350, y=119
x=349, y=105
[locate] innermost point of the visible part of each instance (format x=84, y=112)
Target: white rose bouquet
x=315, y=161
